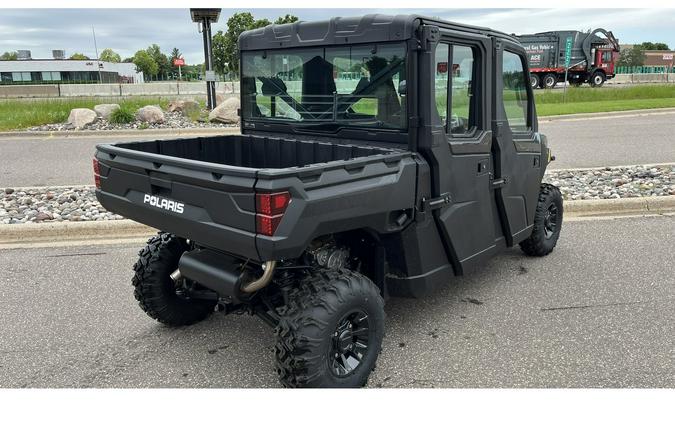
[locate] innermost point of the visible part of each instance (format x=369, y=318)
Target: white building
x=67, y=71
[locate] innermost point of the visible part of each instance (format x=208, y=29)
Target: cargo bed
x=213, y=182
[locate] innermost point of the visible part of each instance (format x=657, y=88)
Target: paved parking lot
x=598, y=312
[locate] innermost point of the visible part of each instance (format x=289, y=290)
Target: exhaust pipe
x=263, y=281
x=221, y=273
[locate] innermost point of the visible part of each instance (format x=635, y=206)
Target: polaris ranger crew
x=379, y=156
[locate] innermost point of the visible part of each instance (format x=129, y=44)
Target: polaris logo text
x=163, y=203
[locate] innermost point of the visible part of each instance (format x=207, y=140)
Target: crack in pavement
x=603, y=305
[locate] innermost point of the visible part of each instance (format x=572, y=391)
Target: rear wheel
x=550, y=81
x=157, y=294
x=330, y=331
x=548, y=218
x=598, y=79
x=534, y=80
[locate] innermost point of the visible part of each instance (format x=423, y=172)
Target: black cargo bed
x=255, y=151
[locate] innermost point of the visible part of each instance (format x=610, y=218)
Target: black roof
x=351, y=30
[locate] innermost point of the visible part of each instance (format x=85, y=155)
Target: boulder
x=226, y=112
x=150, y=114
x=105, y=110
x=81, y=117
x=183, y=106
x=219, y=99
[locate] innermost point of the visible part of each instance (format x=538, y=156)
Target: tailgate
x=212, y=204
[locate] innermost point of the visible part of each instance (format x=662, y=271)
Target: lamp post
x=205, y=17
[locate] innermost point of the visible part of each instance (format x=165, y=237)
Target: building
x=39, y=71
x=659, y=58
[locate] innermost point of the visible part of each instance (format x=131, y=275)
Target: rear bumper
x=193, y=224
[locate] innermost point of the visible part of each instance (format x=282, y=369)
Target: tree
x=286, y=19
x=78, y=56
x=8, y=55
x=108, y=55
x=224, y=44
x=634, y=56
x=145, y=63
x=163, y=65
x=653, y=46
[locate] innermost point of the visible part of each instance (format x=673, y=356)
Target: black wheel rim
x=550, y=220
x=349, y=344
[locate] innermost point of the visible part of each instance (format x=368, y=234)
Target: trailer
x=592, y=57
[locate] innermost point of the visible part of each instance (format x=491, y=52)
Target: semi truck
x=592, y=58
x=335, y=197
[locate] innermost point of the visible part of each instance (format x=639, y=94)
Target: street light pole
x=98, y=62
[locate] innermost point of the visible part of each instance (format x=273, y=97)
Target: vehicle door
x=516, y=142
x=468, y=222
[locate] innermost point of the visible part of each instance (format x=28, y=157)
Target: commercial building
x=38, y=71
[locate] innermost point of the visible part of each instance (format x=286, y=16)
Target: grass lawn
x=22, y=114
x=593, y=100
x=599, y=106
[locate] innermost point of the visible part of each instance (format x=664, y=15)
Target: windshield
x=361, y=85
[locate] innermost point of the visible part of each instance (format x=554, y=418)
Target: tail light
x=270, y=208
x=97, y=174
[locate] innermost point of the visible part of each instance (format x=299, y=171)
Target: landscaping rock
x=150, y=114
x=105, y=110
x=45, y=204
x=182, y=106
x=81, y=117
x=226, y=112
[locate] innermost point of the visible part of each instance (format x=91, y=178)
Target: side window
x=462, y=119
x=441, y=78
x=514, y=92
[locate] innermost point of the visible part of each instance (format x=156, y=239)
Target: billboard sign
x=179, y=61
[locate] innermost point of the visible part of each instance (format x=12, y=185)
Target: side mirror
x=402, y=88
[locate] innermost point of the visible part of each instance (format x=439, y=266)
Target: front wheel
x=598, y=79
x=548, y=218
x=330, y=331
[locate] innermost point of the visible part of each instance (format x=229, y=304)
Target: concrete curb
x=607, y=114
x=15, y=235
x=118, y=133
x=625, y=206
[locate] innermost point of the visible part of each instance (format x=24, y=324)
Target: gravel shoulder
x=172, y=120
x=78, y=203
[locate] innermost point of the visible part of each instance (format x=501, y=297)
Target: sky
x=129, y=30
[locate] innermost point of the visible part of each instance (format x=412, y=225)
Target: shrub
x=122, y=116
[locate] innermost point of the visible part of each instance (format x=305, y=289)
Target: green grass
x=122, y=115
x=587, y=94
x=22, y=114
x=594, y=100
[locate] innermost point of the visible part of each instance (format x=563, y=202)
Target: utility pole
x=98, y=62
x=205, y=17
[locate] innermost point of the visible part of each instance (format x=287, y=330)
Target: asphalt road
x=597, y=312
x=576, y=143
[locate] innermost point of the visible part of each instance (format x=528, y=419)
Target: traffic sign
x=568, y=51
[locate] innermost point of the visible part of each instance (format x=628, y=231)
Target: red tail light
x=270, y=209
x=97, y=174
